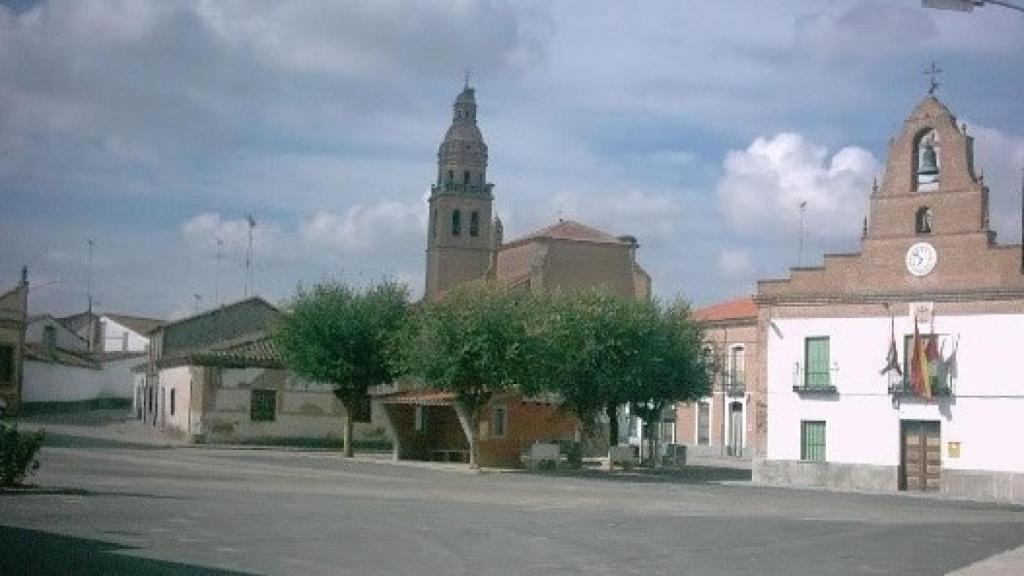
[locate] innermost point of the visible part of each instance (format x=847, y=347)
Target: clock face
x=921, y=258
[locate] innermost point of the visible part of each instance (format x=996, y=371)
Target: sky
x=154, y=128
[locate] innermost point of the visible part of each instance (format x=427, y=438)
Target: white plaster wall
x=862, y=422
x=53, y=382
x=113, y=338
x=180, y=380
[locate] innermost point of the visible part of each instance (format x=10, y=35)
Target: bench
x=449, y=455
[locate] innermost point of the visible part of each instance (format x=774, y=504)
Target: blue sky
x=155, y=127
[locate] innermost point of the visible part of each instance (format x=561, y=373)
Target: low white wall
x=178, y=380
x=53, y=382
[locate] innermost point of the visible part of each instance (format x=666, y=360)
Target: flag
x=892, y=359
x=931, y=360
x=919, y=365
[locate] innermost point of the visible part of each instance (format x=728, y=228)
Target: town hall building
x=893, y=368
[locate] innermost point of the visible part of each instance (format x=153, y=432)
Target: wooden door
x=921, y=455
x=735, y=429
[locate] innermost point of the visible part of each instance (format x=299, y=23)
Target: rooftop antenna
x=198, y=302
x=465, y=84
x=932, y=72
x=88, y=278
x=251, y=220
x=216, y=272
x=800, y=253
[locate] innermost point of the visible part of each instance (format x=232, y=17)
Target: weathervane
x=933, y=84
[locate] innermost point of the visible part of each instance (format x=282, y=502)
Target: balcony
x=942, y=386
x=816, y=381
x=735, y=383
x=456, y=188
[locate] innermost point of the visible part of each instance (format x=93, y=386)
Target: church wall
x=575, y=266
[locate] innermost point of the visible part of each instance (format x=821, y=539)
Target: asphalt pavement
x=137, y=508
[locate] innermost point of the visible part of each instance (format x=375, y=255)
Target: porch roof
x=422, y=397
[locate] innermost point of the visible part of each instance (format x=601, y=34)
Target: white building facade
x=846, y=409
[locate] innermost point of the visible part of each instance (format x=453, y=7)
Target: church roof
x=736, y=309
x=573, y=231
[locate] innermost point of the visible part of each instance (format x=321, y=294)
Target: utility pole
x=800, y=254
x=216, y=272
x=88, y=277
x=251, y=220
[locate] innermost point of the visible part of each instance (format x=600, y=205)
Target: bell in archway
x=928, y=166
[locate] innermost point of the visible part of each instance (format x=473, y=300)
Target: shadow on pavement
x=55, y=440
x=42, y=553
x=687, y=475
x=58, y=491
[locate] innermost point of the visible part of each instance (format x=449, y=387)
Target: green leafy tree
x=18, y=451
x=337, y=334
x=672, y=366
x=475, y=342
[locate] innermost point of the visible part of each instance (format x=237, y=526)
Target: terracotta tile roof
x=571, y=230
x=421, y=397
x=737, y=309
x=256, y=351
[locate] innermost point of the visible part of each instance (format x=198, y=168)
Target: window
x=923, y=221
x=474, y=223
x=499, y=421
x=456, y=223
x=736, y=368
x=50, y=337
x=6, y=365
x=465, y=177
x=816, y=362
x=263, y=407
x=812, y=441
x=451, y=175
x=172, y=401
x=703, y=423
x=420, y=419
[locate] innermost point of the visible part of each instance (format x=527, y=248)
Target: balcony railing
x=735, y=383
x=815, y=380
x=482, y=190
x=942, y=386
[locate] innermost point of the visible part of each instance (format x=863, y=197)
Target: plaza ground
x=124, y=504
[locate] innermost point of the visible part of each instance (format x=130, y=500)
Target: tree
x=337, y=334
x=585, y=338
x=673, y=366
x=602, y=351
x=474, y=342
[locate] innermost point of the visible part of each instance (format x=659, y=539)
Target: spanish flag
x=920, y=379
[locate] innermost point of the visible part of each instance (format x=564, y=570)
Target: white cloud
x=763, y=186
x=735, y=263
x=1000, y=156
x=366, y=229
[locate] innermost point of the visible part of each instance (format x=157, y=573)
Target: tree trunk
x=349, y=425
x=612, y=411
x=469, y=418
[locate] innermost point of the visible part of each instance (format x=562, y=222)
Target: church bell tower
x=459, y=239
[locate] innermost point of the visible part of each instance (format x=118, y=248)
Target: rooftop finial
x=932, y=72
x=465, y=81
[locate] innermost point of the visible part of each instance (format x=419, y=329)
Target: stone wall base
x=969, y=484
x=983, y=485
x=825, y=475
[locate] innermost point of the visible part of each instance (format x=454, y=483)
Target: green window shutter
x=816, y=362
x=812, y=441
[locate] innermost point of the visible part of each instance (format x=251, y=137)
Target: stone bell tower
x=459, y=239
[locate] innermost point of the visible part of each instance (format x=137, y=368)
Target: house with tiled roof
x=111, y=331
x=729, y=422
x=217, y=376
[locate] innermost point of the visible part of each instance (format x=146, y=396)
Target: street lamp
x=967, y=5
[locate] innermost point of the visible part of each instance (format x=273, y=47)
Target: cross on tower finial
x=932, y=72
x=466, y=79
